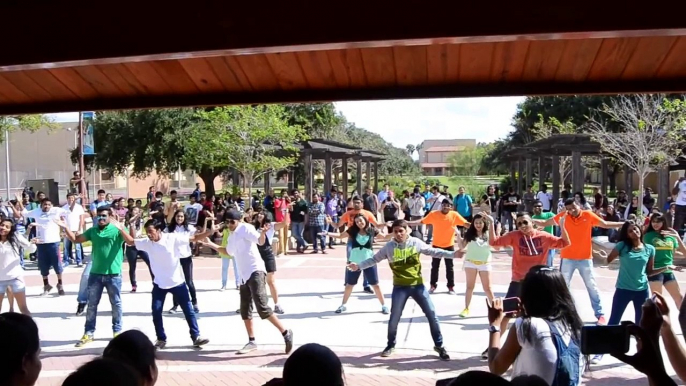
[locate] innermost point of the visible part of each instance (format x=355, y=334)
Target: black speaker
x=47, y=186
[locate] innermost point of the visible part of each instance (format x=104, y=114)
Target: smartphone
x=599, y=340
x=511, y=305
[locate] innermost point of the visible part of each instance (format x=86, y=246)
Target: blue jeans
x=421, y=296
x=180, y=293
x=348, y=248
x=225, y=272
x=551, y=258
x=21, y=257
x=585, y=268
x=621, y=300
x=96, y=283
x=82, y=297
x=331, y=228
x=298, y=228
x=67, y=255
x=316, y=233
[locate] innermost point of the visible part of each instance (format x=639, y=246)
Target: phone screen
x=510, y=305
x=604, y=340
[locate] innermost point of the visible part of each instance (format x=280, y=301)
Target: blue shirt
x=463, y=205
x=427, y=196
x=96, y=204
x=632, y=267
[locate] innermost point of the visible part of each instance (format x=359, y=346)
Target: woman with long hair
x=477, y=260
x=633, y=209
x=11, y=272
x=666, y=242
x=546, y=309
x=260, y=220
x=362, y=234
x=581, y=201
x=180, y=225
x=134, y=219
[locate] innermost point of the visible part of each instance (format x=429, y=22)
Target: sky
x=411, y=121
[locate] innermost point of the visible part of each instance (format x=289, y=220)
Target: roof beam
x=80, y=32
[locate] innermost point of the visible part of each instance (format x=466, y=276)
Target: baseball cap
x=233, y=215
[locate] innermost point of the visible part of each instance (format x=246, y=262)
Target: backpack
x=568, y=356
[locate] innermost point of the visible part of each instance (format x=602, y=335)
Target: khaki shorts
x=254, y=291
x=478, y=265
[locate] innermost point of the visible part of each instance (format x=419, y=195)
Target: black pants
x=132, y=255
x=187, y=267
x=449, y=271
x=679, y=217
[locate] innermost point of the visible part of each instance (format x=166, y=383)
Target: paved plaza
x=311, y=289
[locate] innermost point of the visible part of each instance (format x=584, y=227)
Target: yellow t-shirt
x=225, y=238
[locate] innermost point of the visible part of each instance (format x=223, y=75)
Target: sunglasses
x=523, y=222
x=232, y=222
x=538, y=206
x=102, y=217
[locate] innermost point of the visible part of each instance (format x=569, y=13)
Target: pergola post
x=603, y=175
x=541, y=172
x=513, y=174
x=556, y=182
x=267, y=182
x=577, y=172
x=327, y=172
x=663, y=188
x=309, y=178
x=520, y=177
x=292, y=174
x=628, y=182
x=235, y=177
x=359, y=176
x=369, y=173
x=529, y=172
x=376, y=176
x=344, y=173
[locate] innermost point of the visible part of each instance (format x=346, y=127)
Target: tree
x=410, y=150
x=253, y=140
x=652, y=136
x=467, y=162
x=32, y=123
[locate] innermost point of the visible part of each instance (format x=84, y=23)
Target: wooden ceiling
x=143, y=55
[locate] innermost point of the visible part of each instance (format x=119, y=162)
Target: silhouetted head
x=313, y=365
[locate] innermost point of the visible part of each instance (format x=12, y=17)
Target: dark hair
x=135, y=349
x=624, y=235
x=313, y=364
x=70, y=194
x=354, y=229
x=12, y=236
x=570, y=201
x=154, y=223
x=522, y=214
x=356, y=198
x=564, y=195
x=266, y=220
x=104, y=372
x=172, y=224
x=159, y=194
x=582, y=198
x=399, y=223
x=528, y=380
x=46, y=199
x=101, y=191
x=537, y=202
x=103, y=209
x=544, y=187
x=658, y=217
x=19, y=337
x=173, y=192
x=545, y=295
x=478, y=377
x=471, y=233
x=446, y=202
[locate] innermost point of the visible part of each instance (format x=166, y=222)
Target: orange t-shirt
x=444, y=227
x=528, y=251
x=579, y=230
x=349, y=216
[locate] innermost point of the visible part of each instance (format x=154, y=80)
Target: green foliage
x=31, y=123
x=467, y=162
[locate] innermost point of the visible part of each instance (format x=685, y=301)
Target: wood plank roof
x=148, y=54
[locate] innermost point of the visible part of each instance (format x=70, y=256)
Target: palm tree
x=410, y=150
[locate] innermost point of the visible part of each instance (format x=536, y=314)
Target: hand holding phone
x=600, y=340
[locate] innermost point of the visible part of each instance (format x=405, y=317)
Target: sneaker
x=79, y=265
x=238, y=311
x=341, y=309
x=60, y=290
x=222, y=289
x=278, y=309
x=368, y=290
x=451, y=291
x=196, y=309
x=134, y=288
x=464, y=313
x=200, y=341
x=80, y=309
x=601, y=321
x=596, y=359
x=384, y=310
x=314, y=252
x=46, y=289
x=288, y=339
x=160, y=344
x=432, y=289
x=324, y=252
x=330, y=246
x=442, y=353
x=484, y=355
x=85, y=339
x=250, y=347
x=173, y=310
x=388, y=351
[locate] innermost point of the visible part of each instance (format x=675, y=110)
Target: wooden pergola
x=150, y=54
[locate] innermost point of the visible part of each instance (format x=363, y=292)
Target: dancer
x=11, y=272
x=134, y=221
x=402, y=253
x=107, y=240
x=263, y=219
x=179, y=224
x=226, y=260
x=76, y=219
x=242, y=245
x=444, y=223
x=666, y=241
x=477, y=260
x=540, y=214
x=579, y=225
x=362, y=235
x=529, y=248
x=165, y=261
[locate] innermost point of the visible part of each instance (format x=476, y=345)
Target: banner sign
x=88, y=139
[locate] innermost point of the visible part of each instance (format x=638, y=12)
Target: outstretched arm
x=70, y=235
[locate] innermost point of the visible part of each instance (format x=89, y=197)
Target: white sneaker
x=596, y=359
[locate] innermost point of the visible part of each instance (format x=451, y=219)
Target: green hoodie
x=403, y=258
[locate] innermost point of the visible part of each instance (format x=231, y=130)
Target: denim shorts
x=664, y=277
x=16, y=285
x=49, y=257
x=371, y=274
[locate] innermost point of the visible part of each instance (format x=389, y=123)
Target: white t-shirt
x=539, y=357
x=242, y=245
x=544, y=198
x=164, y=260
x=10, y=267
x=74, y=216
x=681, y=197
x=192, y=211
x=183, y=250
x=47, y=231
x=437, y=202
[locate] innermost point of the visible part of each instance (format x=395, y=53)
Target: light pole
x=82, y=163
x=7, y=162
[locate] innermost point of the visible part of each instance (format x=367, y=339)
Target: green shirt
x=545, y=216
x=107, y=249
x=632, y=267
x=358, y=255
x=225, y=239
x=664, y=249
